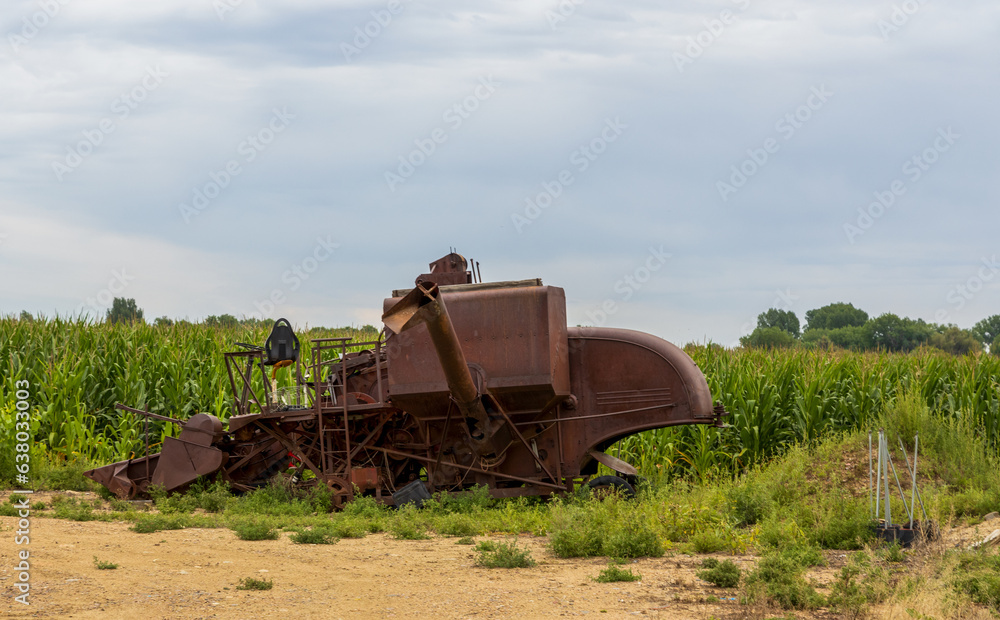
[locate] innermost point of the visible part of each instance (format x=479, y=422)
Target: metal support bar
x=518, y=434
x=470, y=468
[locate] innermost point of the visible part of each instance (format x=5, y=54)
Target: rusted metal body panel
x=474, y=383
x=515, y=338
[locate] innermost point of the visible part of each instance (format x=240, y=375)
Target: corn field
x=78, y=371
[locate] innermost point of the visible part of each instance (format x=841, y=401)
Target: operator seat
x=281, y=346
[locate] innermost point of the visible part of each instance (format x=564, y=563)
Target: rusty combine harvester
x=473, y=383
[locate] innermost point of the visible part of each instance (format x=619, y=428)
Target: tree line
x=844, y=326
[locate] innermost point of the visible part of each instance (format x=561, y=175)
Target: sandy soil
x=193, y=573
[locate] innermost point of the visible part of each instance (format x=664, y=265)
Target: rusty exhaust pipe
x=424, y=305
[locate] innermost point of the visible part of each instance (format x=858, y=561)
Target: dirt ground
x=192, y=573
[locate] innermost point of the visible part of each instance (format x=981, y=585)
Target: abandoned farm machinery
x=471, y=383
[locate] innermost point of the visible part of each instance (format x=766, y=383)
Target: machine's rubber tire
x=606, y=483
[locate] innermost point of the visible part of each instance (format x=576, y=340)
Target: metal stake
x=871, y=490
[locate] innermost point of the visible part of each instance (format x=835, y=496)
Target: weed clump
x=102, y=565
x=254, y=530
x=503, y=555
x=314, y=536
x=977, y=575
x=859, y=584
x=779, y=578
x=249, y=583
x=614, y=572
x=612, y=527
x=724, y=574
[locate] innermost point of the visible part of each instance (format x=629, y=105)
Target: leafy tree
x=163, y=321
x=892, y=333
x=987, y=330
x=853, y=337
x=995, y=347
x=225, y=320
x=956, y=341
x=834, y=316
x=26, y=317
x=768, y=338
x=782, y=319
x=124, y=311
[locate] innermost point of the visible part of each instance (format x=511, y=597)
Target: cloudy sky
x=676, y=170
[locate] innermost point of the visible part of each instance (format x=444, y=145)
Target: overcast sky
x=676, y=170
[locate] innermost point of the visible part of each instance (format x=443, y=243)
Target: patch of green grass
x=61, y=475
x=254, y=530
x=612, y=527
x=147, y=524
x=313, y=537
x=73, y=508
x=723, y=574
x=707, y=541
x=779, y=579
x=408, y=524
x=859, y=584
x=250, y=583
x=503, y=555
x=102, y=565
x=977, y=575
x=465, y=540
x=614, y=572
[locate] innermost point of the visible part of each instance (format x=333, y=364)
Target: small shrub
x=504, y=555
x=249, y=583
x=859, y=584
x=723, y=574
x=633, y=540
x=102, y=565
x=349, y=527
x=614, y=573
x=749, y=503
x=313, y=537
x=707, y=541
x=465, y=540
x=780, y=580
x=254, y=530
x=407, y=526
